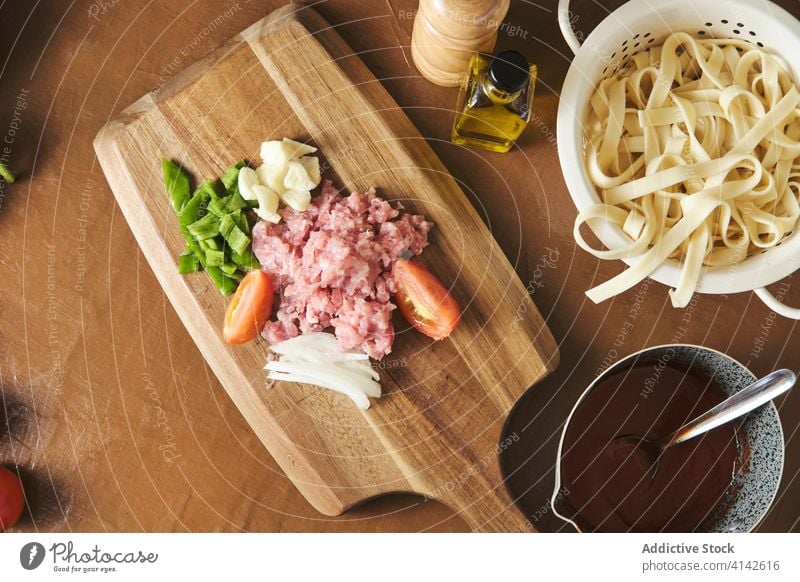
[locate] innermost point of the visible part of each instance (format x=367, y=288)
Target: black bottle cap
x=509, y=71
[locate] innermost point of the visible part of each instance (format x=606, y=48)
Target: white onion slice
x=315, y=359
x=359, y=398
x=330, y=372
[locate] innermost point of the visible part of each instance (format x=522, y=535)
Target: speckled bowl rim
x=556, y=496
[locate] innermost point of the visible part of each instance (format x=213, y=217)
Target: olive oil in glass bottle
x=494, y=101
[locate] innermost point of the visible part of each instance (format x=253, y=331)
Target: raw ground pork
x=332, y=265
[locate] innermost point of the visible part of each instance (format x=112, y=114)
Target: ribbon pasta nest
x=694, y=150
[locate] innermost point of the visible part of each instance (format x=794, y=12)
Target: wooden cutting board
x=437, y=430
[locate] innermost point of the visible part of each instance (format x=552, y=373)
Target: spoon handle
x=758, y=393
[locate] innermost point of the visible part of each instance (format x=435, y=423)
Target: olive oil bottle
x=494, y=103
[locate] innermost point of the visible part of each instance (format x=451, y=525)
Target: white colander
x=636, y=26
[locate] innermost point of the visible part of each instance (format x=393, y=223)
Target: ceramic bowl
x=760, y=440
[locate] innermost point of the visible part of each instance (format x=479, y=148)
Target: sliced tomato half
x=424, y=301
x=249, y=309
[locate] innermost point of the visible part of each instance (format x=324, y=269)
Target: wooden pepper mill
x=447, y=33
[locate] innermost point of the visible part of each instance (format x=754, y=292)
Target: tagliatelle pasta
x=694, y=148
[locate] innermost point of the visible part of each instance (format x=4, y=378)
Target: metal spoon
x=758, y=393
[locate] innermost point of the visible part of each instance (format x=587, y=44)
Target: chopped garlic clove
x=267, y=199
x=297, y=178
x=288, y=172
x=298, y=148
x=268, y=202
x=297, y=199
x=273, y=218
x=272, y=177
x=247, y=180
x=278, y=153
x=274, y=153
x=311, y=164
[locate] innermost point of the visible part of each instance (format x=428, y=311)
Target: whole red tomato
x=12, y=501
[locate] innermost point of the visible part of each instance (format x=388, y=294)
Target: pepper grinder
x=448, y=32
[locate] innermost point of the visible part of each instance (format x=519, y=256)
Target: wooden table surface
x=112, y=415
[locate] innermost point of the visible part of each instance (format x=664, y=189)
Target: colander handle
x=564, y=22
x=777, y=306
